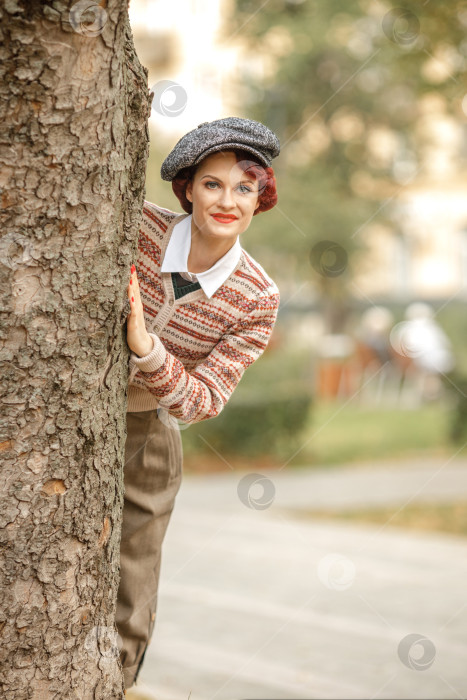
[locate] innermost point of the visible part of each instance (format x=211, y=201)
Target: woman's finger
x=135, y=286
x=131, y=288
x=137, y=296
x=131, y=304
x=134, y=282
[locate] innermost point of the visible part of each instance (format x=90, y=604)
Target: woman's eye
x=243, y=188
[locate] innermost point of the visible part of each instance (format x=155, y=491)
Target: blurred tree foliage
x=341, y=83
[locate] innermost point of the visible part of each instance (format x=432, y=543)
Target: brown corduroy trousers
x=152, y=477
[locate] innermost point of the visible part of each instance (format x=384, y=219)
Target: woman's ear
x=189, y=191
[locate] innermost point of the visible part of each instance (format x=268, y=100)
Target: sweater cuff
x=153, y=360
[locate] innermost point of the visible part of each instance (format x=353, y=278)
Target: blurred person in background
x=373, y=355
x=424, y=351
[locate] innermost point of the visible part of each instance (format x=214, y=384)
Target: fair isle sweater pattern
x=201, y=346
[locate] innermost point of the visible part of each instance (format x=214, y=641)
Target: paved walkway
x=257, y=603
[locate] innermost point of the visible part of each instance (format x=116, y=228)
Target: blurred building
x=422, y=253
x=179, y=42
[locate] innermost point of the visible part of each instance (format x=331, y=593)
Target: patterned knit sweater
x=202, y=345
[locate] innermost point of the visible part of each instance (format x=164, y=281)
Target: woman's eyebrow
x=213, y=177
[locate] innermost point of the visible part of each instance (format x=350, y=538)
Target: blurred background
x=356, y=414
x=369, y=103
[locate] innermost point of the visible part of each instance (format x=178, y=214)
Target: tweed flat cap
x=210, y=137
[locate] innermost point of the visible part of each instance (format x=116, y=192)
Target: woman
x=201, y=311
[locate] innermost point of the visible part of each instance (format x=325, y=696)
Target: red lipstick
x=224, y=218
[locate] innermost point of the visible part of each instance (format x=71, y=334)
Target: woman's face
x=224, y=197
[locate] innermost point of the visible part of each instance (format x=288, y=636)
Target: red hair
x=267, y=193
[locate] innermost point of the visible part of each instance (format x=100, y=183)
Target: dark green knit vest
x=182, y=286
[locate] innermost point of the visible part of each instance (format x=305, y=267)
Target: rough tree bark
x=73, y=153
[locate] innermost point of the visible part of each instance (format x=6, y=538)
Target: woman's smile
x=224, y=218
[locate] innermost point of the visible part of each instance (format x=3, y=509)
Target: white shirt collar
x=176, y=258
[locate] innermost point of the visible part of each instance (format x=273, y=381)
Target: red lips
x=224, y=217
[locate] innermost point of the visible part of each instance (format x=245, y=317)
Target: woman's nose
x=227, y=198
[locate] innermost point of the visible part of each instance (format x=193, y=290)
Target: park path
x=262, y=603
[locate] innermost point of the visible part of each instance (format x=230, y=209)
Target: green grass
x=336, y=433
x=440, y=517
x=339, y=433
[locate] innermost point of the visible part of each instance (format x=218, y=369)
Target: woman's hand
x=138, y=339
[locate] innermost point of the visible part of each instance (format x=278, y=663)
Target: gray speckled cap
x=210, y=137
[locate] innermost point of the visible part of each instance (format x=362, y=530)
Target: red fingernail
x=133, y=268
x=131, y=281
x=132, y=299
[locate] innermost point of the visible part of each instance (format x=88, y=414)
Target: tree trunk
x=73, y=152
